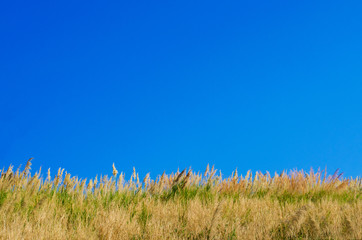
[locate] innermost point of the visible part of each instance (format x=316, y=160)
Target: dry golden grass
x=181, y=205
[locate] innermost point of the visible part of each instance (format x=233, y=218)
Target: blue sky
x=261, y=85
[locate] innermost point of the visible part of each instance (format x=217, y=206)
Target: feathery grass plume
x=28, y=166
x=187, y=177
x=67, y=181
x=161, y=183
x=115, y=172
x=49, y=177
x=235, y=174
x=175, y=181
x=82, y=185
x=134, y=173
x=9, y=172
x=207, y=170
x=59, y=177
x=95, y=181
x=145, y=179
x=138, y=179
x=90, y=186
x=120, y=182
x=17, y=173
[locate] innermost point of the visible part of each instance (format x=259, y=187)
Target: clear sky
x=261, y=85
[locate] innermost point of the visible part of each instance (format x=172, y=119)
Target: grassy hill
x=181, y=205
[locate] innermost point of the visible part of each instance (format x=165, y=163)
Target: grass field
x=181, y=205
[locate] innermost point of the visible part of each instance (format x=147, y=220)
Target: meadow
x=181, y=205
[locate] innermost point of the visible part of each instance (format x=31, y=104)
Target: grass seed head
x=115, y=172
